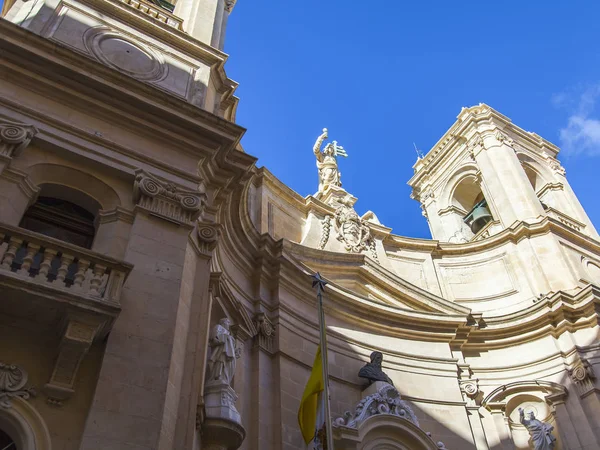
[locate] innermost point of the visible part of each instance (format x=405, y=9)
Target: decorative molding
x=265, y=336
x=14, y=137
x=504, y=139
x=387, y=400
x=12, y=384
x=208, y=237
x=326, y=228
x=475, y=145
x=75, y=343
x=583, y=376
x=167, y=200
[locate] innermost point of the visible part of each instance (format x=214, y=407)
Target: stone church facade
x=132, y=223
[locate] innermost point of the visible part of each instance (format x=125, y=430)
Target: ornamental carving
x=326, y=229
x=504, y=139
x=12, y=384
x=582, y=374
x=556, y=167
x=351, y=230
x=265, y=335
x=386, y=401
x=229, y=4
x=167, y=200
x=14, y=137
x=208, y=236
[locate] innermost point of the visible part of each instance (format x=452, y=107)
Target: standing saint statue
x=329, y=174
x=540, y=432
x=223, y=354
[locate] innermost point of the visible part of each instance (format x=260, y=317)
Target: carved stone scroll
x=167, y=200
x=12, y=384
x=14, y=137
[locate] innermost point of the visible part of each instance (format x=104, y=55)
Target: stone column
x=566, y=429
x=137, y=396
x=509, y=189
x=584, y=378
x=499, y=418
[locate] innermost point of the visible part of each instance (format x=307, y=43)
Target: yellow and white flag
x=311, y=415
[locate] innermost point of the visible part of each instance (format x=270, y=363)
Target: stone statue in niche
x=223, y=354
x=540, y=433
x=329, y=174
x=372, y=371
x=352, y=231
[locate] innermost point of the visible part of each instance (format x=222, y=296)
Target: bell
x=479, y=217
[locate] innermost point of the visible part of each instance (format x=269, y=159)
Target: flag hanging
x=311, y=403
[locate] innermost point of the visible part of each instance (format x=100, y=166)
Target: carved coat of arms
x=351, y=230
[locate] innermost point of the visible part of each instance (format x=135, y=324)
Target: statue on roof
x=372, y=371
x=329, y=174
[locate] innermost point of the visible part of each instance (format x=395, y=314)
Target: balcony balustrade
x=64, y=289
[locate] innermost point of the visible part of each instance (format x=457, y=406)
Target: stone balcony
x=62, y=288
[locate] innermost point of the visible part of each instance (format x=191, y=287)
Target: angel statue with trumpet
x=329, y=174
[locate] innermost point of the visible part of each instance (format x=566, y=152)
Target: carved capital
x=208, y=237
x=265, y=336
x=504, y=139
x=75, y=343
x=475, y=146
x=583, y=376
x=167, y=200
x=471, y=392
x=12, y=384
x=14, y=137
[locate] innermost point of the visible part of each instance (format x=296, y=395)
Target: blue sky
x=382, y=75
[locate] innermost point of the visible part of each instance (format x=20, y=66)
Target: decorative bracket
x=167, y=200
x=77, y=338
x=14, y=137
x=12, y=384
x=583, y=376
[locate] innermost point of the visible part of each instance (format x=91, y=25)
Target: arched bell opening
x=6, y=441
x=468, y=197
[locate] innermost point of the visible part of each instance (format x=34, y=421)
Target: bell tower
x=174, y=45
x=486, y=175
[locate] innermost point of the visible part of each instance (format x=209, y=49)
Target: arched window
x=6, y=442
x=468, y=197
x=64, y=214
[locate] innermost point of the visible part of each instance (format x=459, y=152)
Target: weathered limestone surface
x=123, y=109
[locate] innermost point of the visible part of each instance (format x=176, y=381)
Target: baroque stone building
x=132, y=224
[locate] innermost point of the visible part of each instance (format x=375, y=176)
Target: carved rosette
x=12, y=384
x=14, y=137
x=385, y=401
x=265, y=336
x=167, y=200
x=583, y=376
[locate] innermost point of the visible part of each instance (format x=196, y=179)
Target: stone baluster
x=32, y=250
x=82, y=267
x=13, y=246
x=46, y=264
x=97, y=279
x=63, y=270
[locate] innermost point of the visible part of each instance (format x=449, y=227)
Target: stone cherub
x=540, y=432
x=329, y=174
x=372, y=371
x=223, y=354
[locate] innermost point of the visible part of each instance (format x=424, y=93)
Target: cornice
x=467, y=121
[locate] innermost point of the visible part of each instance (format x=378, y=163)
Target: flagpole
x=320, y=284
